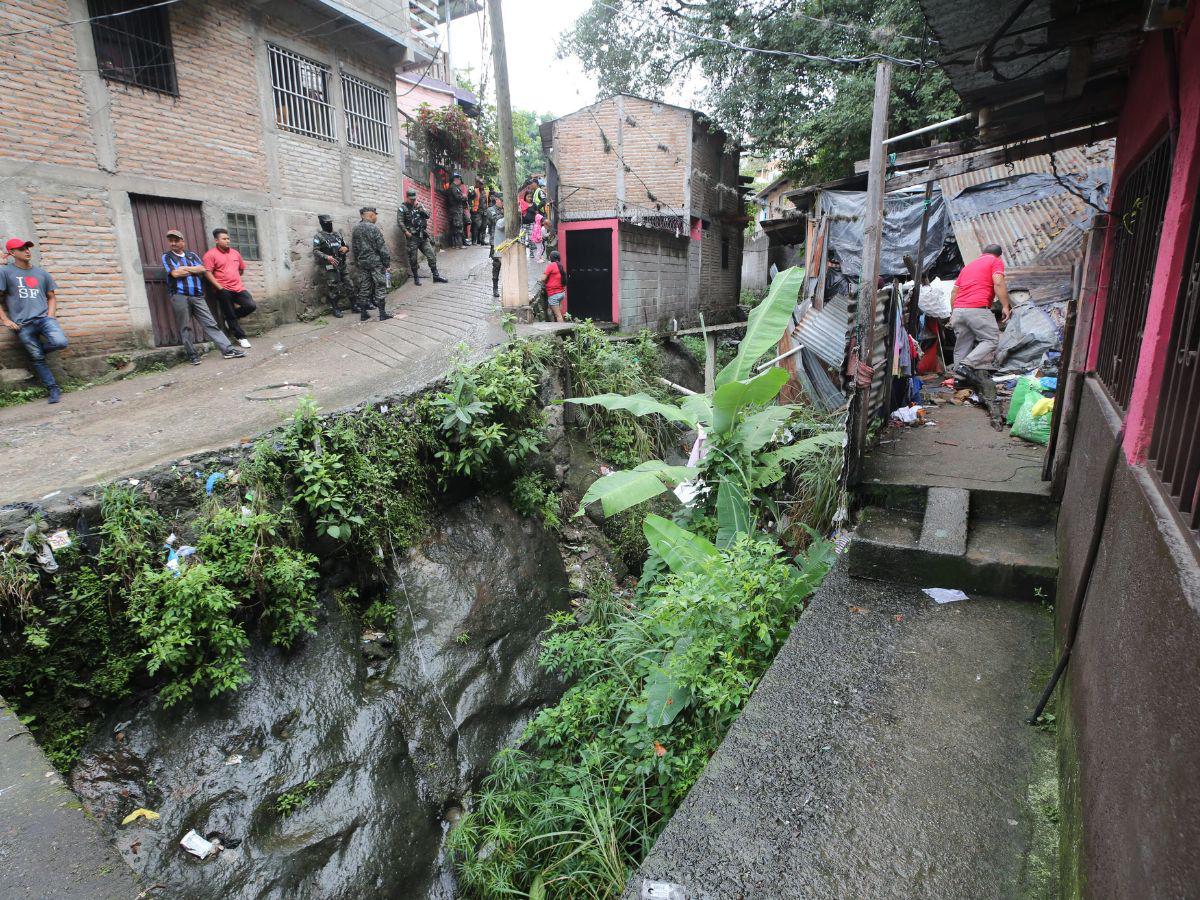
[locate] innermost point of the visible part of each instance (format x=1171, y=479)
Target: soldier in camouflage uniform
x=456, y=208
x=329, y=251
x=413, y=220
x=372, y=259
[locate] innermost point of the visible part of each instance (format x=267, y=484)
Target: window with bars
x=1138, y=221
x=133, y=44
x=243, y=234
x=1175, y=446
x=368, y=124
x=301, y=91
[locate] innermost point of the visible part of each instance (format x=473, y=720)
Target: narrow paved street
x=106, y=431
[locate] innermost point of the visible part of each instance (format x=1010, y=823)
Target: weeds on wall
x=114, y=619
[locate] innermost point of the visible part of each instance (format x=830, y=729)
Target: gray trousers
x=976, y=335
x=186, y=307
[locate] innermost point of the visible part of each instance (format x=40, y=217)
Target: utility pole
x=508, y=162
x=869, y=277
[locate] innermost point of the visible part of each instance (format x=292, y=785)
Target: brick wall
x=654, y=144
x=585, y=152
x=374, y=178
x=45, y=117
x=309, y=169
x=74, y=234
x=211, y=132
x=653, y=278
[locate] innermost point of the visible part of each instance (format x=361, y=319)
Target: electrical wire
x=124, y=12
x=788, y=54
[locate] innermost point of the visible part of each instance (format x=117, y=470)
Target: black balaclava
x=326, y=223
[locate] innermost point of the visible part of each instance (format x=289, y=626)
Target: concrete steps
x=998, y=543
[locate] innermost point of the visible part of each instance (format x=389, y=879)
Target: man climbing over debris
x=976, y=333
x=329, y=251
x=372, y=258
x=413, y=220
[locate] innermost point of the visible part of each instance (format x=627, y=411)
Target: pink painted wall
x=612, y=225
x=1143, y=121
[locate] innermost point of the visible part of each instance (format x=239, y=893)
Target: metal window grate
x=1138, y=223
x=243, y=234
x=301, y=89
x=134, y=47
x=368, y=125
x=1175, y=447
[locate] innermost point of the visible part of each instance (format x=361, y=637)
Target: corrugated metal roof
x=823, y=331
x=1040, y=225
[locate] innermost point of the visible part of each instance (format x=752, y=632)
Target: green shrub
x=656, y=686
x=533, y=495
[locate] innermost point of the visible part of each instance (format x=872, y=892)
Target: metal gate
x=154, y=217
x=590, y=273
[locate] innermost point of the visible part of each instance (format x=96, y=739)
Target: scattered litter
x=944, y=595
x=148, y=814
x=383, y=409
x=841, y=541
x=194, y=844
x=56, y=493
x=662, y=890
x=947, y=443
x=909, y=415
x=860, y=610
x=59, y=539
x=171, y=538
x=175, y=557
x=121, y=726
x=247, y=512
x=234, y=760
x=212, y=481
x=899, y=617
x=278, y=348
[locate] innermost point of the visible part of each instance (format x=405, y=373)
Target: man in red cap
x=28, y=309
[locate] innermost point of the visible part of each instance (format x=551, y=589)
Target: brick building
x=124, y=118
x=649, y=211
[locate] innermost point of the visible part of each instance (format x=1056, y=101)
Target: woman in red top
x=555, y=280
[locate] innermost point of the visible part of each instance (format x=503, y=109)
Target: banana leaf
x=766, y=325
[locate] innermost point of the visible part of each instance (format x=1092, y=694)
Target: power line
x=124, y=12
x=789, y=54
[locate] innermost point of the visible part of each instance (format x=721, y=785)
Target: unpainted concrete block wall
x=653, y=278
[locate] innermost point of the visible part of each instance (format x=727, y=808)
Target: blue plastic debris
x=212, y=481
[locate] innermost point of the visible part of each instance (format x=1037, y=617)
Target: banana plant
x=738, y=420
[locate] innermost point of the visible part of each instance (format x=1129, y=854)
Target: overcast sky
x=538, y=81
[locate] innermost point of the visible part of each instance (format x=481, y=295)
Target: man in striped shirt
x=185, y=289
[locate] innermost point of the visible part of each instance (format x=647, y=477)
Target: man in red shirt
x=224, y=268
x=976, y=333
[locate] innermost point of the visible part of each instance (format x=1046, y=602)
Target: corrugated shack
x=1038, y=209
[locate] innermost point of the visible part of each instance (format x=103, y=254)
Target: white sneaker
x=244, y=343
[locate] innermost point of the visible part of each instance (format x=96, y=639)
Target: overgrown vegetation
x=659, y=675
x=116, y=618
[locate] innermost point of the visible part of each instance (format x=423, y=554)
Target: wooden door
x=154, y=217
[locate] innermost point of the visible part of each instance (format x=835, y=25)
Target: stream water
x=373, y=739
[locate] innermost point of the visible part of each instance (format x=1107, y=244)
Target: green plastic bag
x=1024, y=385
x=1031, y=427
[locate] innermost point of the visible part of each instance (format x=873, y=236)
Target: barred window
x=1138, y=222
x=301, y=89
x=243, y=234
x=133, y=44
x=368, y=124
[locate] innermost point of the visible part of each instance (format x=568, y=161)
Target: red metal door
x=154, y=217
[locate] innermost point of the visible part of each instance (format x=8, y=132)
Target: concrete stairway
x=994, y=542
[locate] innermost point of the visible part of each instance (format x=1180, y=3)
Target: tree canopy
x=815, y=115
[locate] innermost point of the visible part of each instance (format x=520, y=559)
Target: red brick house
x=124, y=118
x=649, y=209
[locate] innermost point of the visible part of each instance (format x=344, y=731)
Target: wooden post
x=508, y=160
x=914, y=309
x=710, y=362
x=872, y=246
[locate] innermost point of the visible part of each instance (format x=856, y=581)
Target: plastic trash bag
x=1029, y=334
x=1024, y=386
x=1034, y=427
x=935, y=299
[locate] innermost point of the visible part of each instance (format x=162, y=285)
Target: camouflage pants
x=456, y=227
x=334, y=286
x=421, y=244
x=372, y=285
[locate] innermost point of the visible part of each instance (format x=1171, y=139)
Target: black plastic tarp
x=901, y=229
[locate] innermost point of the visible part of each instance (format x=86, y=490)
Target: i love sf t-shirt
x=25, y=292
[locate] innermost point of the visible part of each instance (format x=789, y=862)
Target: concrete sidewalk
x=884, y=754
x=100, y=433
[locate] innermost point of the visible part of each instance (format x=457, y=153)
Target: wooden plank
x=922, y=155
x=1078, y=65
x=872, y=246
x=1002, y=155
